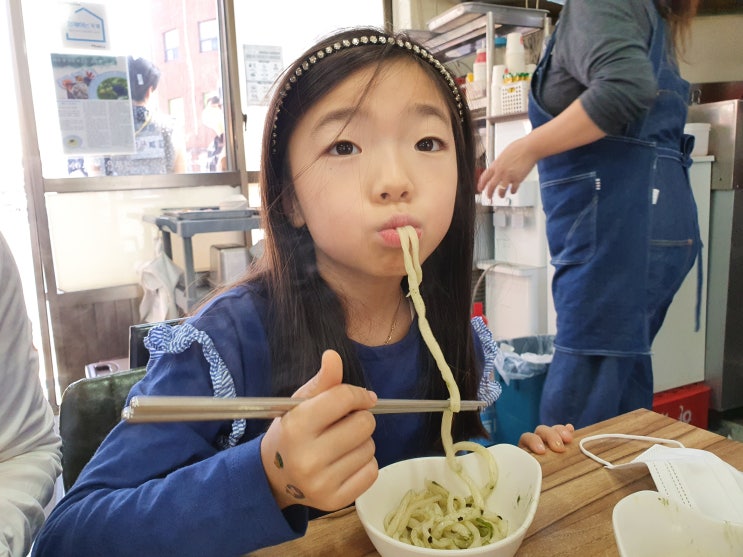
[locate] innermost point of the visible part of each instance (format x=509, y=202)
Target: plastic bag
x=158, y=279
x=525, y=357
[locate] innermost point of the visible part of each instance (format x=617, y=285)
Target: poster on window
x=95, y=113
x=263, y=64
x=85, y=26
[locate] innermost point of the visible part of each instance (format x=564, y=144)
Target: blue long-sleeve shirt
x=199, y=488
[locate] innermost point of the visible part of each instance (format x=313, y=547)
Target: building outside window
x=177, y=109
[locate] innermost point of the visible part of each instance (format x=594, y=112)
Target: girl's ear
x=293, y=210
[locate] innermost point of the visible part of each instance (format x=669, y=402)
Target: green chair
x=90, y=409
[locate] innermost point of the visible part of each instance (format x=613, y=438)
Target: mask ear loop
x=609, y=465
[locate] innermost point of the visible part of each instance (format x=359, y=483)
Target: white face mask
x=695, y=478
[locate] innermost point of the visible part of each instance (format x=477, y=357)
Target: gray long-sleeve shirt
x=601, y=56
x=29, y=447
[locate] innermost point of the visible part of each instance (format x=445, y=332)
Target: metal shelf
x=455, y=33
x=192, y=290
x=504, y=15
x=465, y=23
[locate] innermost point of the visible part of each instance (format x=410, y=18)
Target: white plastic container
x=515, y=53
x=480, y=68
x=515, y=300
x=700, y=131
x=495, y=89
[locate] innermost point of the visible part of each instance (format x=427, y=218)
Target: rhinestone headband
x=357, y=41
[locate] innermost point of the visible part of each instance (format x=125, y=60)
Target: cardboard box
x=688, y=404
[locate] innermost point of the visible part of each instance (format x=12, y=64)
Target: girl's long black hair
x=305, y=317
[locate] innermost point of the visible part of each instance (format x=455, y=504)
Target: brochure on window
x=263, y=64
x=95, y=112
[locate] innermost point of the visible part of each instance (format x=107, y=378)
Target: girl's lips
x=398, y=221
x=391, y=238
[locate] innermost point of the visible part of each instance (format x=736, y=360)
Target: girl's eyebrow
x=344, y=115
x=425, y=109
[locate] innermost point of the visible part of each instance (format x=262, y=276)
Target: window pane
x=171, y=40
x=265, y=24
x=208, y=35
x=81, y=247
x=86, y=95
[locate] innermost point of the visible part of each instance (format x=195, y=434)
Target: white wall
x=413, y=14
x=714, y=50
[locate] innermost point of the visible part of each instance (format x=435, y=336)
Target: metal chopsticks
x=143, y=409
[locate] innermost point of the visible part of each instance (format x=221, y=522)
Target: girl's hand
x=321, y=453
x=554, y=437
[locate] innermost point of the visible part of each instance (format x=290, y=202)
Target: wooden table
x=578, y=494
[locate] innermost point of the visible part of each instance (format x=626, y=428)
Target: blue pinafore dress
x=623, y=232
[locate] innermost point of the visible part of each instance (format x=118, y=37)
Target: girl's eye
x=343, y=148
x=429, y=144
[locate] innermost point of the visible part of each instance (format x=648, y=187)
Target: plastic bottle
x=479, y=67
x=499, y=53
x=515, y=54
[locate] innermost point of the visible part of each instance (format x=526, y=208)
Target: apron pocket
x=570, y=205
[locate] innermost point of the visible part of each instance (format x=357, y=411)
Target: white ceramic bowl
x=648, y=524
x=515, y=498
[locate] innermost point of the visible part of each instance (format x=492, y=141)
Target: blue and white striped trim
x=489, y=389
x=167, y=339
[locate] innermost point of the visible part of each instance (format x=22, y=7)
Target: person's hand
x=508, y=170
x=321, y=453
x=555, y=438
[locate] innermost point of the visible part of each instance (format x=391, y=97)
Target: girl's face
x=369, y=158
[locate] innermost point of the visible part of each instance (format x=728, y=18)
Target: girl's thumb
x=330, y=375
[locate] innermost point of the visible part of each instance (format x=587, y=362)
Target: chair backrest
x=138, y=353
x=90, y=409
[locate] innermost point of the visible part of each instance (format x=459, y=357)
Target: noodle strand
x=434, y=517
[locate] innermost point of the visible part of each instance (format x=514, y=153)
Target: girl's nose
x=394, y=192
x=393, y=180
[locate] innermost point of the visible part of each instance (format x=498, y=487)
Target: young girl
x=366, y=133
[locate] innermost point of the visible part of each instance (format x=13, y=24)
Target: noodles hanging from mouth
x=433, y=517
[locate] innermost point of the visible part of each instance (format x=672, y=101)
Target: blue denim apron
x=623, y=232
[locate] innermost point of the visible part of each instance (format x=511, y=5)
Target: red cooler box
x=689, y=404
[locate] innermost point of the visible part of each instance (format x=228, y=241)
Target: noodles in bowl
x=514, y=499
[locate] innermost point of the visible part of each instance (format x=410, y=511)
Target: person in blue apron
x=621, y=220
